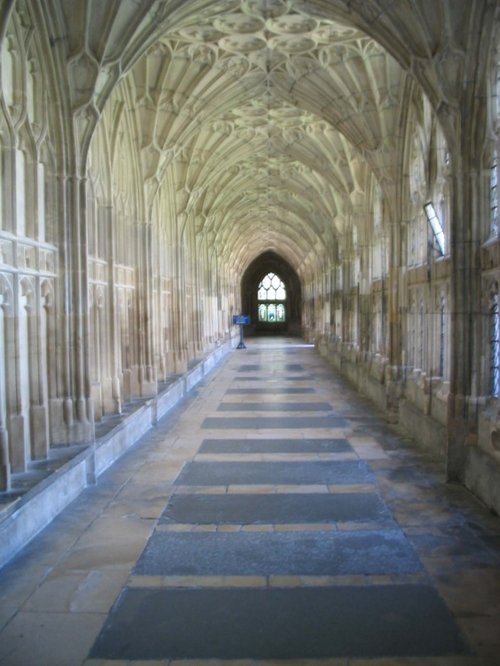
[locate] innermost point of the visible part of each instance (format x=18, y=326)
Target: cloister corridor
x=273, y=517
x=321, y=176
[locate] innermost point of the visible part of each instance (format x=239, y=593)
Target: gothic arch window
x=494, y=230
x=271, y=297
x=494, y=198
x=417, y=142
x=10, y=71
x=494, y=317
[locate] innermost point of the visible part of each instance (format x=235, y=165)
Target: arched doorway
x=271, y=295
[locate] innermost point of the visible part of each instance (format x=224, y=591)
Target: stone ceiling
x=275, y=112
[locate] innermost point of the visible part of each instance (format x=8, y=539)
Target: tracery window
x=493, y=222
x=495, y=347
x=271, y=295
x=494, y=199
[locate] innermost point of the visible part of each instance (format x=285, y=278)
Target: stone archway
x=270, y=262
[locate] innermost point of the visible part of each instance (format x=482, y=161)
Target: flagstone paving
x=315, y=535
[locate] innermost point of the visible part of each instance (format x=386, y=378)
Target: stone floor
x=271, y=518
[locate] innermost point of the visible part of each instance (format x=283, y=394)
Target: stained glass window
x=270, y=293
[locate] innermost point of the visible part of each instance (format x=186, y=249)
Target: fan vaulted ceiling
x=273, y=114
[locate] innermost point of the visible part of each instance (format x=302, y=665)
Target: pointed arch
x=264, y=265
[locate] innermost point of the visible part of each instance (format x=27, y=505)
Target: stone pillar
x=144, y=286
x=466, y=300
x=73, y=408
x=113, y=395
x=83, y=400
x=18, y=351
x=466, y=122
x=198, y=297
x=394, y=306
x=179, y=328
x=39, y=424
x=4, y=435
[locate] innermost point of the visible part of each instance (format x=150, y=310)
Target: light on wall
x=436, y=227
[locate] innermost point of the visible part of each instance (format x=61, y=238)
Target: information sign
x=241, y=320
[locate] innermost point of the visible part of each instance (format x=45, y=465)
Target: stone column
x=73, y=318
x=179, y=329
x=144, y=287
x=466, y=300
x=113, y=394
x=39, y=425
x=4, y=435
x=197, y=297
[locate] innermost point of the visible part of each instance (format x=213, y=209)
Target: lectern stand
x=241, y=320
